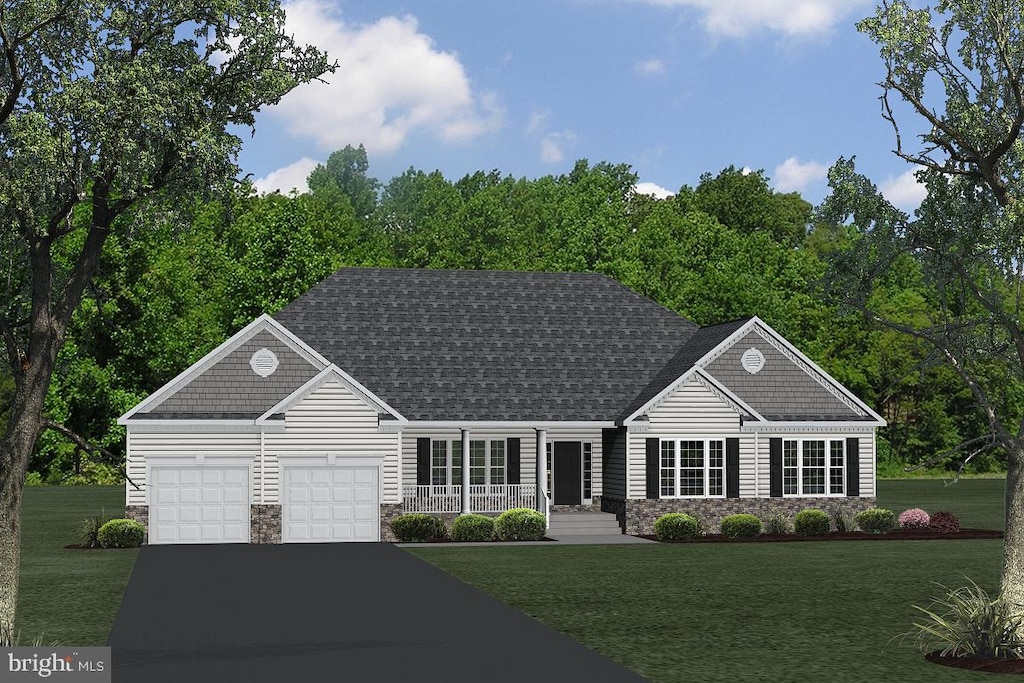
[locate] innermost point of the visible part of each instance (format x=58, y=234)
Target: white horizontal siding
x=142, y=446
x=332, y=420
x=692, y=411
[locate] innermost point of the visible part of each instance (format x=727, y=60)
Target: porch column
x=465, y=472
x=542, y=466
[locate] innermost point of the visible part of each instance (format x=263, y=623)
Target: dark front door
x=568, y=473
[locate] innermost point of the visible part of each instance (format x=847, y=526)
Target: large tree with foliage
x=957, y=75
x=105, y=106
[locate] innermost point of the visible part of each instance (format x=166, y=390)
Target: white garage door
x=199, y=505
x=330, y=504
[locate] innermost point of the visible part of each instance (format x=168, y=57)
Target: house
x=383, y=391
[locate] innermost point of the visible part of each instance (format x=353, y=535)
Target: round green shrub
x=520, y=524
x=741, y=525
x=876, y=520
x=811, y=522
x=676, y=526
x=472, y=527
x=417, y=527
x=121, y=533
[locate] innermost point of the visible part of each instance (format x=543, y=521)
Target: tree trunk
x=16, y=448
x=1012, y=588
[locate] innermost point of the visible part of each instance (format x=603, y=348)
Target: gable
x=785, y=388
x=229, y=388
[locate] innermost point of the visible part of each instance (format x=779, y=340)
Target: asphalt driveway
x=331, y=612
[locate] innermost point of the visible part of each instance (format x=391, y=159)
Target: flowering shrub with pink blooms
x=914, y=518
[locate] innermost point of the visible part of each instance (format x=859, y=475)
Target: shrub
x=88, y=532
x=841, y=519
x=34, y=479
x=520, y=524
x=966, y=622
x=121, y=533
x=811, y=522
x=914, y=518
x=777, y=524
x=676, y=526
x=944, y=522
x=472, y=527
x=416, y=527
x=741, y=525
x=876, y=520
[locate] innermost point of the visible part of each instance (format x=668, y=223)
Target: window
x=446, y=462
x=439, y=463
x=588, y=457
x=813, y=467
x=497, y=462
x=692, y=468
x=668, y=468
x=548, y=449
x=477, y=462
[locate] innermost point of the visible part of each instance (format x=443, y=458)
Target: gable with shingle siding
x=782, y=389
x=231, y=389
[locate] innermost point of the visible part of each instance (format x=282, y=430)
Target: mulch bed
x=96, y=547
x=962, y=535
x=988, y=664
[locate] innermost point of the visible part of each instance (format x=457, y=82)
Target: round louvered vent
x=752, y=360
x=263, y=362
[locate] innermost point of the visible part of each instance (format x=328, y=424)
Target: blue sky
x=675, y=88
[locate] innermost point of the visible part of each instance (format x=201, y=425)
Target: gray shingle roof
x=490, y=345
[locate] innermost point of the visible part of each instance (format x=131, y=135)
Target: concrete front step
x=583, y=524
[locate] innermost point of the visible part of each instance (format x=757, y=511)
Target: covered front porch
x=490, y=468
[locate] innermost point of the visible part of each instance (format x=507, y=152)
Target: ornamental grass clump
x=741, y=526
x=676, y=526
x=914, y=518
x=777, y=524
x=876, y=520
x=966, y=622
x=811, y=522
x=841, y=519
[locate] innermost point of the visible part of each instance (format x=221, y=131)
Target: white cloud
x=904, y=191
x=649, y=67
x=795, y=18
x=793, y=176
x=553, y=146
x=538, y=118
x=391, y=82
x=292, y=176
x=653, y=189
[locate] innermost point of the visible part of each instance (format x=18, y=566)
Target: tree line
x=728, y=248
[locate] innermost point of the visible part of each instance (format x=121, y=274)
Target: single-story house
x=383, y=391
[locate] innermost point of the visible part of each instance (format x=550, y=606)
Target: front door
x=568, y=473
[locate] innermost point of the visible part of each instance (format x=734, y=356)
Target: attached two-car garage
x=204, y=503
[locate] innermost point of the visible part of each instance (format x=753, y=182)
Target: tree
x=346, y=170
x=104, y=107
x=960, y=73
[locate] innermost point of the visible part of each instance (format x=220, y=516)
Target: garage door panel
x=330, y=504
x=199, y=504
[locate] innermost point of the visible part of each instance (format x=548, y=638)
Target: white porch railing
x=482, y=497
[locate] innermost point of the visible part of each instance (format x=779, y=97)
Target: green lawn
x=778, y=612
x=69, y=596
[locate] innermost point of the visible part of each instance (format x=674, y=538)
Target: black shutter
x=423, y=461
x=653, y=469
x=732, y=468
x=775, y=467
x=512, y=452
x=853, y=467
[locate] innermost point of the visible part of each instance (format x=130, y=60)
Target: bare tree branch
x=106, y=456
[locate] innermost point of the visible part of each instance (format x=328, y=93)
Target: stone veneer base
x=140, y=513
x=637, y=517
x=264, y=523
